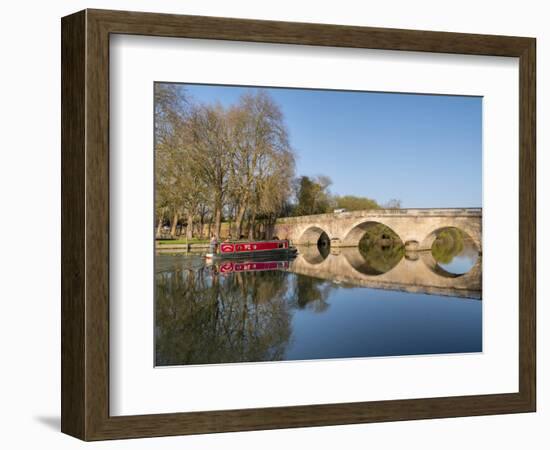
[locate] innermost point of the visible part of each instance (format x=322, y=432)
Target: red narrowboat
x=253, y=249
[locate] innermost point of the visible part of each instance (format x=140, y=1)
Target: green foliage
x=448, y=243
x=355, y=203
x=313, y=196
x=376, y=232
x=381, y=249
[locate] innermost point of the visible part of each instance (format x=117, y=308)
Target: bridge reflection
x=415, y=272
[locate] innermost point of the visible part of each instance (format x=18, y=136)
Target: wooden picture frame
x=85, y=224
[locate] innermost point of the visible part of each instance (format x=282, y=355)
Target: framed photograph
x=273, y=225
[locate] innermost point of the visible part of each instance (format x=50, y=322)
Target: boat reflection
x=250, y=266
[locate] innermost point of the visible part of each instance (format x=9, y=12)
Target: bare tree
x=211, y=155
x=392, y=204
x=261, y=150
x=171, y=107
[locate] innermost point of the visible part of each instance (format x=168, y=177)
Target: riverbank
x=175, y=247
x=180, y=241
x=181, y=245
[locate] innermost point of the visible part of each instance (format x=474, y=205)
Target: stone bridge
x=416, y=272
x=417, y=228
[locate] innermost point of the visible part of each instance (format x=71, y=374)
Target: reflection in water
x=454, y=251
x=311, y=293
x=316, y=254
x=323, y=245
x=204, y=317
x=380, y=248
x=305, y=310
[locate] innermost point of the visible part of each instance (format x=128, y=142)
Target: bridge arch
x=358, y=230
x=466, y=246
x=429, y=240
x=312, y=235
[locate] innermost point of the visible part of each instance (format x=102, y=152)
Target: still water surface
x=283, y=311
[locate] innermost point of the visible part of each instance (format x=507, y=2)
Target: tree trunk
x=189, y=231
x=218, y=223
x=174, y=225
x=239, y=221
x=201, y=226
x=251, y=231
x=159, y=225
x=218, y=218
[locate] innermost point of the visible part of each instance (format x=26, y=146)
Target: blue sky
x=425, y=150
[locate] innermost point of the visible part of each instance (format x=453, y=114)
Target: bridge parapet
x=407, y=212
x=411, y=225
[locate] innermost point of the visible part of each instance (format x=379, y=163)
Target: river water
x=323, y=304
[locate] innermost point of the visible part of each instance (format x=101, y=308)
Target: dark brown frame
x=85, y=224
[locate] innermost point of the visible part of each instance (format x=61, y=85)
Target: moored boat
x=279, y=249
